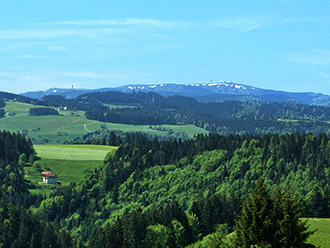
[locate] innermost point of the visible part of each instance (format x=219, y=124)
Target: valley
x=69, y=162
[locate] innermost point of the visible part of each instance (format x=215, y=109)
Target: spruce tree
x=255, y=224
x=290, y=230
x=271, y=220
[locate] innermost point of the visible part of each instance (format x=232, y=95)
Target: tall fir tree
x=271, y=220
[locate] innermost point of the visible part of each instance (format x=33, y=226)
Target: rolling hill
x=72, y=124
x=163, y=116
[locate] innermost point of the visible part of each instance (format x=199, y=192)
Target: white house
x=49, y=177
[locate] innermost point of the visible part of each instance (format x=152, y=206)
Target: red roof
x=47, y=174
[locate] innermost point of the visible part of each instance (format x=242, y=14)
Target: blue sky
x=273, y=44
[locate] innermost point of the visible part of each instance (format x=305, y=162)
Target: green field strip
x=73, y=152
x=321, y=238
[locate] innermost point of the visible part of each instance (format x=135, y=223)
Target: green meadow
x=71, y=124
x=321, y=238
x=73, y=152
x=67, y=161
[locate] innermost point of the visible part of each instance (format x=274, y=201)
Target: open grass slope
x=71, y=124
x=67, y=170
x=73, y=152
x=321, y=238
x=67, y=161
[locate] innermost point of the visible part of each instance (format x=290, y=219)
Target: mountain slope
x=211, y=92
x=224, y=91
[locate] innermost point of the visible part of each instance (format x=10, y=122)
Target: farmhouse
x=49, y=177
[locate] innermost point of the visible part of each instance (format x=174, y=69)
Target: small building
x=49, y=177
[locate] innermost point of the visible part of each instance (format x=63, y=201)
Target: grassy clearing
x=71, y=124
x=321, y=238
x=73, y=152
x=67, y=170
x=191, y=130
x=67, y=161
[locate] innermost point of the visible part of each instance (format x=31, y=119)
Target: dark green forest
x=19, y=227
x=42, y=111
x=224, y=118
x=2, y=105
x=20, y=98
x=181, y=189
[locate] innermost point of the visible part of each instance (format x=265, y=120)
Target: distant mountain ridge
x=210, y=92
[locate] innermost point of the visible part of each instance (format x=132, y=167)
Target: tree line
x=42, y=111
x=18, y=226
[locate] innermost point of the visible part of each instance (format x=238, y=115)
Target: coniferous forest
x=42, y=111
x=19, y=227
x=173, y=193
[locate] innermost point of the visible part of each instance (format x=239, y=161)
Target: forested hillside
x=171, y=193
x=14, y=151
x=18, y=226
x=2, y=104
x=224, y=118
x=148, y=184
x=20, y=98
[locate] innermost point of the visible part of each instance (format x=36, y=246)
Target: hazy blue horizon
x=280, y=45
x=69, y=88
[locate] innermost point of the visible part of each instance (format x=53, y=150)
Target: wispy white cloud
x=97, y=28
x=54, y=33
x=55, y=76
x=31, y=78
x=57, y=48
x=250, y=23
x=244, y=24
x=5, y=75
x=31, y=56
x=92, y=75
x=119, y=22
x=81, y=79
x=302, y=20
x=325, y=75
x=314, y=57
